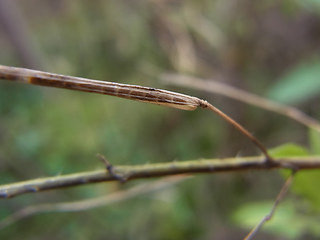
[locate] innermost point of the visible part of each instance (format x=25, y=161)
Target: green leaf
x=314, y=139
x=289, y=150
x=299, y=84
x=306, y=184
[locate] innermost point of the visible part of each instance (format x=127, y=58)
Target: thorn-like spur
x=110, y=169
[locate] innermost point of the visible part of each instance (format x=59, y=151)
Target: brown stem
x=244, y=131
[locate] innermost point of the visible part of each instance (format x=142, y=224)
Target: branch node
x=269, y=161
x=121, y=178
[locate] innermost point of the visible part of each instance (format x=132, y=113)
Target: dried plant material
x=133, y=92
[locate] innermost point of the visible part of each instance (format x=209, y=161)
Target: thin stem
x=280, y=196
x=241, y=129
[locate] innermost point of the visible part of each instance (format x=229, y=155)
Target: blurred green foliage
x=267, y=47
x=290, y=220
x=286, y=222
x=298, y=85
x=314, y=141
x=289, y=150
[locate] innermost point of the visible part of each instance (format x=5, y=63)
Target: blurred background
x=270, y=48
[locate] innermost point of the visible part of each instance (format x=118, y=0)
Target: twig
x=92, y=203
x=241, y=95
x=279, y=198
x=156, y=170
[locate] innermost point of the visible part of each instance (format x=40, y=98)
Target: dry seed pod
x=133, y=92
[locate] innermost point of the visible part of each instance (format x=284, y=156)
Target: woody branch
x=157, y=170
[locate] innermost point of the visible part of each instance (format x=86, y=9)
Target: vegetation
x=267, y=47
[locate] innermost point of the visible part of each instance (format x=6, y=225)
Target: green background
x=267, y=47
